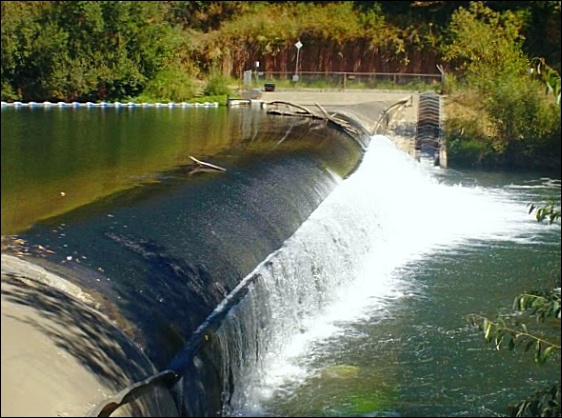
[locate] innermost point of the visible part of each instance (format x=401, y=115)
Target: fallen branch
x=289, y=104
x=207, y=165
x=342, y=121
x=390, y=112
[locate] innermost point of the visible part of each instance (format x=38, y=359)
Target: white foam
x=391, y=212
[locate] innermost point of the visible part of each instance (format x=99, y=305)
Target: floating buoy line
x=48, y=104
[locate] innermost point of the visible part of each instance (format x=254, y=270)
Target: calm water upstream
x=361, y=273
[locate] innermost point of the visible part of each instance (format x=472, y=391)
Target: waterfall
x=343, y=261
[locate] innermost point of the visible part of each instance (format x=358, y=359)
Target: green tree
x=519, y=126
x=206, y=15
x=84, y=50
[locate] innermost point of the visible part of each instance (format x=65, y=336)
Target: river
x=362, y=273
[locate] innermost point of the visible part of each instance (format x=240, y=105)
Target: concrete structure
x=62, y=357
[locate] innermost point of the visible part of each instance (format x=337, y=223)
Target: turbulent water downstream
x=361, y=310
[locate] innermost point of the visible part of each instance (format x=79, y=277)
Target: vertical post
x=297, y=62
x=298, y=45
x=442, y=71
x=257, y=66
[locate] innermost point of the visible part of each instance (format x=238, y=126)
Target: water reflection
x=55, y=160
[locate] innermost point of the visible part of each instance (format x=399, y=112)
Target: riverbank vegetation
x=505, y=118
x=498, y=115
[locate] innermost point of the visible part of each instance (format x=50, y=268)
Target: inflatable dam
x=164, y=299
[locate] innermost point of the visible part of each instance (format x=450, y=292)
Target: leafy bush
x=172, y=84
x=467, y=143
x=217, y=85
x=8, y=93
x=470, y=153
x=519, y=112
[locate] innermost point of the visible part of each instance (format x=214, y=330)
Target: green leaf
x=538, y=350
x=499, y=340
x=488, y=329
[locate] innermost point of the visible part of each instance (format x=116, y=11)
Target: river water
x=358, y=311
x=434, y=246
